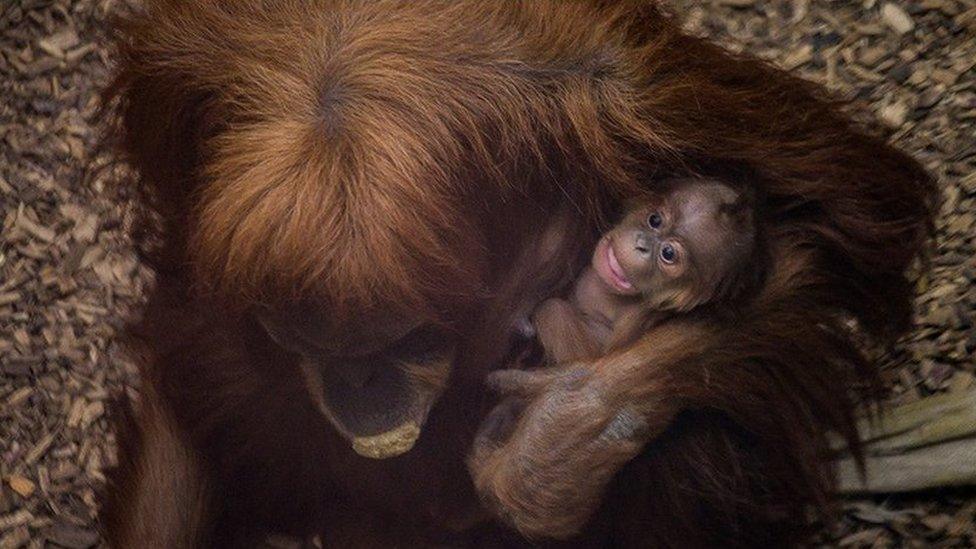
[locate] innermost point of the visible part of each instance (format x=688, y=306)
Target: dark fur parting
x=399, y=157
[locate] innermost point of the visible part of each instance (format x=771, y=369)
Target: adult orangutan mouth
x=381, y=414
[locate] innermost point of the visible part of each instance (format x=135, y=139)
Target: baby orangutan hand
x=544, y=456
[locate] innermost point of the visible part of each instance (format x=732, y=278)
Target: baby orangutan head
x=692, y=244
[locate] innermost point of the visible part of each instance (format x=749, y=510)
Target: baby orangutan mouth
x=608, y=267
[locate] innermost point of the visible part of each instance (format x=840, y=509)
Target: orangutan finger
x=515, y=383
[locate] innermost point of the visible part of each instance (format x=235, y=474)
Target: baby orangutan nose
x=642, y=243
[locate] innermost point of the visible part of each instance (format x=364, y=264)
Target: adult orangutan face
x=374, y=378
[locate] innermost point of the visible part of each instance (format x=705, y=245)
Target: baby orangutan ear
x=740, y=210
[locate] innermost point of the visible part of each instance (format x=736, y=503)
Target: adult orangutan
x=354, y=200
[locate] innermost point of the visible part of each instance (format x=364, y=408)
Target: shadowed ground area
x=69, y=277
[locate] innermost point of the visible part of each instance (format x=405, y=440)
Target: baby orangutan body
x=566, y=432
x=689, y=247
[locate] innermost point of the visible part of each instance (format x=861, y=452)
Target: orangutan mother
x=351, y=197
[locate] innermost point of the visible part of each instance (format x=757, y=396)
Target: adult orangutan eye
x=669, y=254
x=654, y=220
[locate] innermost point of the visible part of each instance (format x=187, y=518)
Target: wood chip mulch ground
x=69, y=277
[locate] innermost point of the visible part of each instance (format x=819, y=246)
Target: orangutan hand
x=545, y=454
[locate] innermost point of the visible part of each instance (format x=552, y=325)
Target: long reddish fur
x=400, y=155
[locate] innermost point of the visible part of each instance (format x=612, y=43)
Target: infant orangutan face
x=675, y=251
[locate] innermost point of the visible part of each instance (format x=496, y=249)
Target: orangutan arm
x=544, y=457
x=564, y=333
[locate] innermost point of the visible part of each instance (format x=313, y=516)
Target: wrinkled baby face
x=675, y=250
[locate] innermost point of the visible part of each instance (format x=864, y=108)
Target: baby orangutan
x=546, y=454
x=690, y=246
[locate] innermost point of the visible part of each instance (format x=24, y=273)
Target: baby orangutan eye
x=668, y=254
x=654, y=220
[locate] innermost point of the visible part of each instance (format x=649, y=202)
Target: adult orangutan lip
x=392, y=443
x=616, y=271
